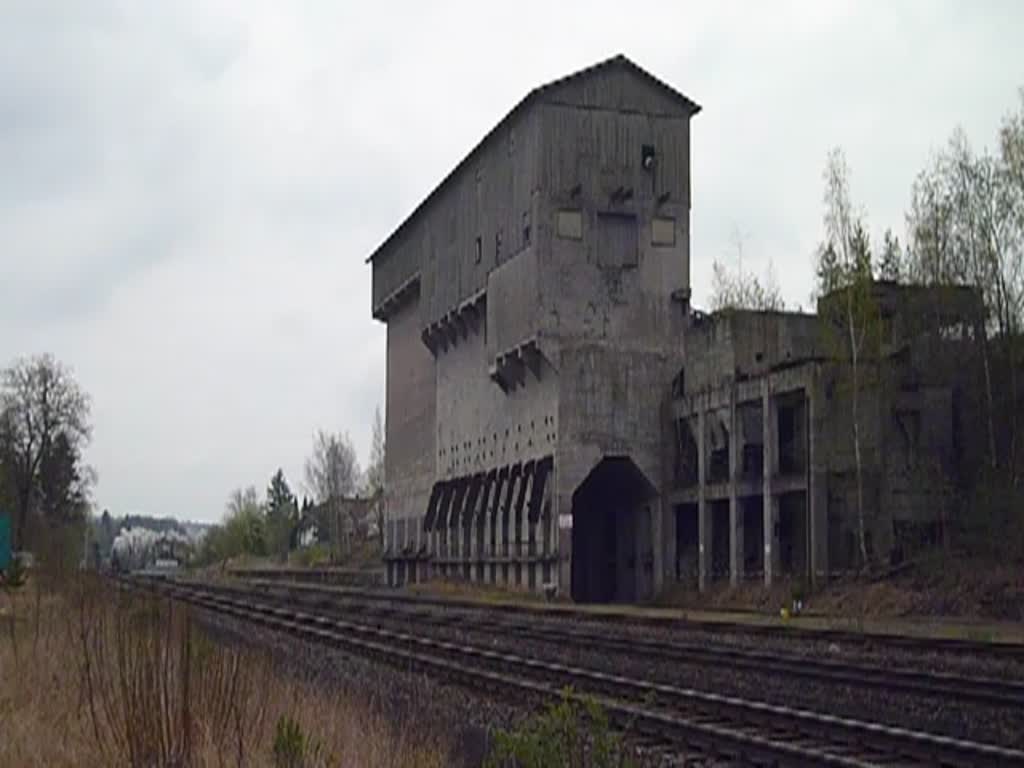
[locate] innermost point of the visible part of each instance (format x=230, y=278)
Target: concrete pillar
x=770, y=503
x=487, y=551
x=469, y=534
x=524, y=534
x=703, y=511
x=663, y=543
x=817, y=499
x=735, y=513
x=563, y=540
x=643, y=546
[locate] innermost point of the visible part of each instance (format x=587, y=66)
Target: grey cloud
x=188, y=190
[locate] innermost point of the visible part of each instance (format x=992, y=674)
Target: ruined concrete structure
x=547, y=378
x=772, y=394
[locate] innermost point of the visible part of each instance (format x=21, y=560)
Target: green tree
x=39, y=401
x=890, y=264
x=282, y=515
x=63, y=482
x=848, y=306
x=244, y=528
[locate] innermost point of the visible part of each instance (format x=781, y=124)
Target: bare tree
x=966, y=226
x=736, y=289
x=40, y=402
x=844, y=276
x=375, y=480
x=242, y=501
x=332, y=473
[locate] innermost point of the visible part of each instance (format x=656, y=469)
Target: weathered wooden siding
x=410, y=416
x=490, y=197
x=620, y=89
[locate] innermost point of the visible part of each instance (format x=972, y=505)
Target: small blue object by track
x=5, y=540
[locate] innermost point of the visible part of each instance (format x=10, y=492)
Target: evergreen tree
x=282, y=515
x=890, y=265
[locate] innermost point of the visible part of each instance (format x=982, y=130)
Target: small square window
x=479, y=250
x=570, y=225
x=663, y=231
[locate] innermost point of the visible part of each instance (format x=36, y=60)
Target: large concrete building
x=545, y=368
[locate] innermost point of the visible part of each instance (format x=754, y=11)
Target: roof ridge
x=619, y=59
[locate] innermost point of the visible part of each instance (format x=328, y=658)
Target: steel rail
x=751, y=730
x=980, y=690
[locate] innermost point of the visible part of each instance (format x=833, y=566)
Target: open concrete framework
x=751, y=480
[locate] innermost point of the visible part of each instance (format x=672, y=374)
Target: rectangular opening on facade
x=570, y=225
x=750, y=418
x=792, y=432
x=719, y=519
x=684, y=472
x=793, y=540
x=687, y=544
x=663, y=231
x=753, y=537
x=617, y=240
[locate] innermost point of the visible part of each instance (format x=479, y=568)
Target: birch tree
x=844, y=281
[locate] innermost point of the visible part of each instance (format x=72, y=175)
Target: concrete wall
x=479, y=426
x=410, y=408
x=489, y=198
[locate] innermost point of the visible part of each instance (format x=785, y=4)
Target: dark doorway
x=753, y=537
x=793, y=533
x=605, y=510
x=718, y=515
x=687, y=562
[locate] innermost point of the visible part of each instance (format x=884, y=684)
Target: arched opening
x=612, y=553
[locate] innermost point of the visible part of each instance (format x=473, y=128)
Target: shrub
x=292, y=748
x=314, y=554
x=573, y=733
x=15, y=575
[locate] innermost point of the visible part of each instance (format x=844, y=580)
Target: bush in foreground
x=571, y=733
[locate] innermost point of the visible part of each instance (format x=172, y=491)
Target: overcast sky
x=188, y=189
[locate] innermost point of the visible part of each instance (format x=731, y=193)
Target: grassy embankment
x=92, y=678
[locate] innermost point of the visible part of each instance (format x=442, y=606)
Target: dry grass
x=91, y=679
x=486, y=593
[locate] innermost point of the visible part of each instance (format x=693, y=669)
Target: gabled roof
x=543, y=93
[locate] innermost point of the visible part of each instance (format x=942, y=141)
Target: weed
x=574, y=732
x=15, y=575
x=293, y=748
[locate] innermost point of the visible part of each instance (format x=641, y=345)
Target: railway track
x=747, y=731
x=909, y=643
x=960, y=688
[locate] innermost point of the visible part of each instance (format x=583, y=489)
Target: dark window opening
x=646, y=156
x=497, y=246
x=479, y=249
x=526, y=228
